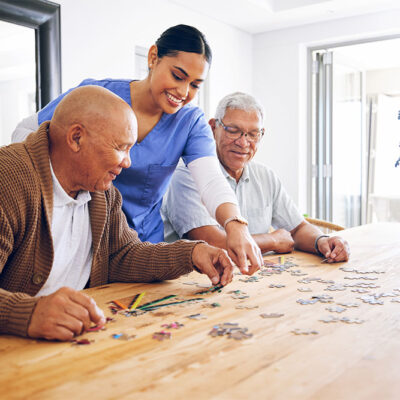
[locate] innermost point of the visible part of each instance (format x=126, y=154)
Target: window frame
x=44, y=17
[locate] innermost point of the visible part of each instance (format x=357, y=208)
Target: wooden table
x=341, y=361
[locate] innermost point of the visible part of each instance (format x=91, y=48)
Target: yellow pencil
x=281, y=260
x=137, y=301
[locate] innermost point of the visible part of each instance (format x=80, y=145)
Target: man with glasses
x=238, y=130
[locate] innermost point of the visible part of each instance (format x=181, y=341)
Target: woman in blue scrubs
x=169, y=128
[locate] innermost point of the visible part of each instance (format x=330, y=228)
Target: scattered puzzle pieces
x=336, y=287
x=349, y=304
x=305, y=302
x=336, y=309
x=122, y=336
x=304, y=332
x=346, y=320
x=271, y=315
x=370, y=299
x=173, y=325
x=162, y=335
x=351, y=320
x=250, y=279
x=242, y=306
x=197, y=316
x=232, y=330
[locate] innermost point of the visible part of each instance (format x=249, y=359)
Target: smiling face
x=106, y=159
x=90, y=136
x=106, y=153
x=235, y=154
x=175, y=80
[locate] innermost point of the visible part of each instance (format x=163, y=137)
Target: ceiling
x=257, y=16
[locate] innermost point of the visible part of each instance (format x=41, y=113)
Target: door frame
x=44, y=17
x=310, y=69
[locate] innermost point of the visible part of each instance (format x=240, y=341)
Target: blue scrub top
x=184, y=134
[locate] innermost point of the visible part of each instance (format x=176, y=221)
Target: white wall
x=99, y=37
x=280, y=82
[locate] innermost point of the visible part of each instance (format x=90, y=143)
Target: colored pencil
x=133, y=300
x=156, y=301
x=137, y=301
x=211, y=289
x=151, y=308
x=118, y=304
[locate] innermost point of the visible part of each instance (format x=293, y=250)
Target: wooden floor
x=341, y=361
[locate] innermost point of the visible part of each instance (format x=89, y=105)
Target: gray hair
x=239, y=101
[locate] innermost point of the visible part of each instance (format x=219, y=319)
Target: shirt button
x=37, y=278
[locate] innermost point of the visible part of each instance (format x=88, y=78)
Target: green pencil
x=156, y=301
x=169, y=304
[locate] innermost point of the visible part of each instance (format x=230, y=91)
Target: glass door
x=337, y=140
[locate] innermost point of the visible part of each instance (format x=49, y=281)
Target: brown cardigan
x=26, y=249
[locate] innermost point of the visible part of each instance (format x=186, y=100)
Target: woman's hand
x=242, y=247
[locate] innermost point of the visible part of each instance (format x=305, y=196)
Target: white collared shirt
x=72, y=240
x=262, y=200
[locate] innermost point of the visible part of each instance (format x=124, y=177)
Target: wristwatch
x=316, y=244
x=237, y=218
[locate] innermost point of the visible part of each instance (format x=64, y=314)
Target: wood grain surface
x=341, y=361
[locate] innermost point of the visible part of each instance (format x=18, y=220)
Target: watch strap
x=316, y=244
x=235, y=218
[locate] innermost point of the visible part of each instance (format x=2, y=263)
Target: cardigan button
x=37, y=278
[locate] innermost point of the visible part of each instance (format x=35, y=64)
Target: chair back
x=325, y=226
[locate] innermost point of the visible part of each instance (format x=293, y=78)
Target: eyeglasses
x=234, y=133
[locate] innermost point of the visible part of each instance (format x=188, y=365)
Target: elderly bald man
x=61, y=224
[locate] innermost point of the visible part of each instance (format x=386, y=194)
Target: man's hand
x=242, y=247
x=213, y=262
x=63, y=315
x=334, y=249
x=283, y=241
